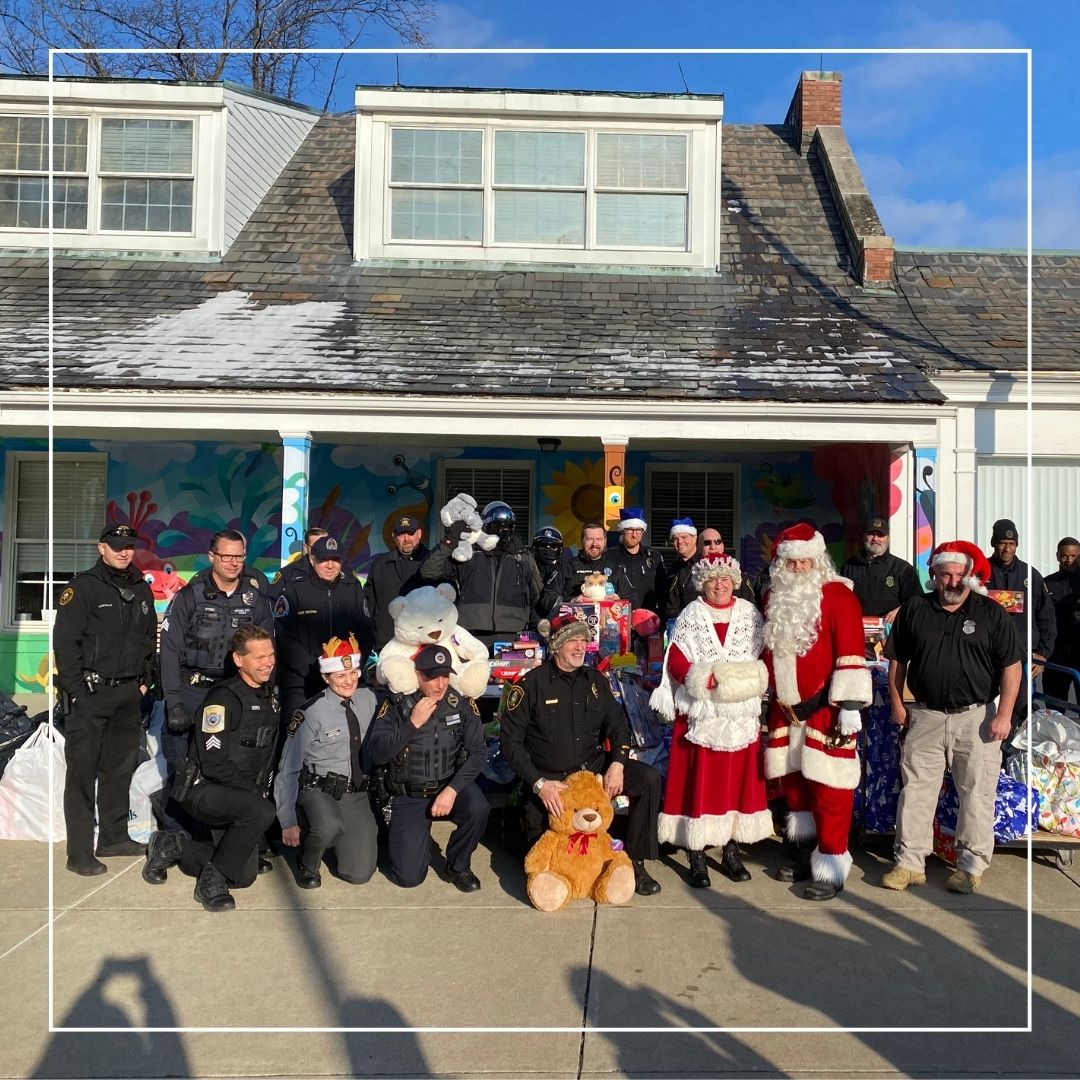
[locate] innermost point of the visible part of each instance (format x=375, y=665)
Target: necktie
x=355, y=772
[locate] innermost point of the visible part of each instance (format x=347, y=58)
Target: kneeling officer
x=322, y=777
x=431, y=745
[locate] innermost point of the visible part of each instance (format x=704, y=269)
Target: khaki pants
x=961, y=742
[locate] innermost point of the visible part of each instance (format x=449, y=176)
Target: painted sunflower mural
x=577, y=496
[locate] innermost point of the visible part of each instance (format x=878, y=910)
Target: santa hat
x=976, y=565
x=563, y=628
x=632, y=517
x=683, y=527
x=338, y=655
x=715, y=565
x=801, y=541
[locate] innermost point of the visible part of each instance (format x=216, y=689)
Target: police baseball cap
x=405, y=524
x=1003, y=530
x=326, y=548
x=433, y=661
x=878, y=525
x=118, y=536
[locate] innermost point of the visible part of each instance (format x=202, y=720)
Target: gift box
x=945, y=843
x=608, y=622
x=879, y=745
x=1054, y=741
x=1010, y=808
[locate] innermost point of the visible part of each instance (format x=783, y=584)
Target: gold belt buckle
x=789, y=712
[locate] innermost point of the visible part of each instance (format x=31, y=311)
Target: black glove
x=455, y=531
x=177, y=719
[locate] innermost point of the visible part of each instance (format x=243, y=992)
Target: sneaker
x=900, y=877
x=961, y=881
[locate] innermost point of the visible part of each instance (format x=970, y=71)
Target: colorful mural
x=925, y=519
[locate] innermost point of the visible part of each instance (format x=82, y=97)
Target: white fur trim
x=632, y=523
x=781, y=760
x=831, y=868
x=696, y=679
x=713, y=830
x=787, y=678
x=328, y=664
x=801, y=549
x=851, y=684
x=975, y=585
x=662, y=703
x=682, y=530
x=834, y=772
x=800, y=825
x=736, y=680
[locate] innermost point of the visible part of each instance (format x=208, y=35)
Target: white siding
x=1002, y=493
x=260, y=138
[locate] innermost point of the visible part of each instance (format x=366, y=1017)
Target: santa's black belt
x=801, y=711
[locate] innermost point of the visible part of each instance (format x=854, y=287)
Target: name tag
x=454, y=718
x=552, y=701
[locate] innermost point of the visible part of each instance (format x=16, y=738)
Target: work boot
x=699, y=870
x=86, y=866
x=731, y=866
x=212, y=890
x=822, y=890
x=962, y=881
x=644, y=883
x=799, y=870
x=900, y=877
x=265, y=867
x=121, y=847
x=162, y=852
x=308, y=879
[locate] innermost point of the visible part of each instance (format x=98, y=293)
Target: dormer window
x=24, y=172
x=537, y=178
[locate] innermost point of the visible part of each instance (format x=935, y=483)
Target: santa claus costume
x=711, y=689
x=814, y=650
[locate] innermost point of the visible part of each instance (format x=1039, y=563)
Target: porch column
x=614, y=477
x=295, y=470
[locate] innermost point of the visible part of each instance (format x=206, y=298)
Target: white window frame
x=372, y=218
x=661, y=539
x=7, y=586
x=504, y=465
x=43, y=173
x=207, y=188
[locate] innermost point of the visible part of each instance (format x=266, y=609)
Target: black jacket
x=636, y=577
x=576, y=568
x=391, y=575
x=236, y=734
x=1019, y=577
x=105, y=622
x=881, y=582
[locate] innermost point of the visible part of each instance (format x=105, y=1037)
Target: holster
x=65, y=703
x=335, y=785
x=187, y=775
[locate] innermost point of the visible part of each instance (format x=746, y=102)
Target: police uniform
x=322, y=775
x=576, y=568
x=881, y=582
x=448, y=751
x=233, y=746
x=555, y=723
x=1064, y=589
x=307, y=612
x=391, y=575
x=636, y=576
x=676, y=590
x=104, y=646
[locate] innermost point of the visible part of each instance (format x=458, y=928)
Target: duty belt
x=424, y=791
x=108, y=680
x=332, y=783
x=801, y=711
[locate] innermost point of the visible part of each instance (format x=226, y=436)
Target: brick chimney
x=816, y=104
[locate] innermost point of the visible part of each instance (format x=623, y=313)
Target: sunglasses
x=712, y=543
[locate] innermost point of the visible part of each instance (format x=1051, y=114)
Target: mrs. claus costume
x=814, y=649
x=711, y=689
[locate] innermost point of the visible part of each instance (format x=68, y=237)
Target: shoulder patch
x=451, y=699
x=295, y=722
x=253, y=582
x=475, y=707
x=67, y=596
x=281, y=607
x=276, y=578
x=213, y=718
x=514, y=696
x=383, y=709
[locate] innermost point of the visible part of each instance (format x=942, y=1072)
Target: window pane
x=78, y=499
x=146, y=205
x=641, y=161
x=540, y=217
x=540, y=158
x=436, y=215
x=436, y=157
x=23, y=145
x=707, y=496
x=146, y=146
x=641, y=221
x=510, y=484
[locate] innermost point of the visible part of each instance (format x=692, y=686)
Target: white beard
x=794, y=607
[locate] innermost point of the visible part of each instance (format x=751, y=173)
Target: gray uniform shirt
x=321, y=742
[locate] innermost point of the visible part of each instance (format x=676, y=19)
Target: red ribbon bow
x=581, y=839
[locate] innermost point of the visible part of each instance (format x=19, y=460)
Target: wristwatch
x=539, y=784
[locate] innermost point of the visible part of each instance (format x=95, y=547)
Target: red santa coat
x=836, y=659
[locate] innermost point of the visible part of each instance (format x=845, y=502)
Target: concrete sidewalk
x=375, y=956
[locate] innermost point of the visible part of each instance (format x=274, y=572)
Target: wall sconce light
x=548, y=445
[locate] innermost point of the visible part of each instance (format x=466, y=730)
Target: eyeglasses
x=227, y=558
x=712, y=543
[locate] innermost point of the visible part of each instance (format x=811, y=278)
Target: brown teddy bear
x=574, y=859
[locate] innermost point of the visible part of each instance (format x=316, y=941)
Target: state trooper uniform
x=104, y=646
x=322, y=780
x=447, y=751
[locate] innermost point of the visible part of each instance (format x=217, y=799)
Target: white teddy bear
x=427, y=616
x=462, y=508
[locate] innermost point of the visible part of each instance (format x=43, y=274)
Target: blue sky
x=941, y=139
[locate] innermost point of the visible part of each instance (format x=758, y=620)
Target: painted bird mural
x=783, y=492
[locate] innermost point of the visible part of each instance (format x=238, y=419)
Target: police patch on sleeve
x=514, y=697
x=295, y=722
x=67, y=596
x=281, y=607
x=213, y=718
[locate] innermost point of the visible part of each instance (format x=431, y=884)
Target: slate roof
x=782, y=319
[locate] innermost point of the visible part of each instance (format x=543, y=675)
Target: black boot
x=799, y=870
x=699, y=870
x=731, y=865
x=822, y=890
x=162, y=852
x=644, y=883
x=212, y=890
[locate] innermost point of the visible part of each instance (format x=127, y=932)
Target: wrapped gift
x=1054, y=741
x=879, y=744
x=1010, y=808
x=945, y=843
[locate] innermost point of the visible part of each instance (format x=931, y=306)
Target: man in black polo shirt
x=957, y=650
x=882, y=580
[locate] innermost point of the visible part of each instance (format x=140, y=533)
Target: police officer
x=556, y=722
x=224, y=781
x=394, y=573
x=296, y=562
x=636, y=570
x=104, y=646
x=547, y=550
x=676, y=587
x=591, y=558
x=322, y=779
x=1064, y=588
x=316, y=601
x=497, y=590
x=432, y=746
x=882, y=580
